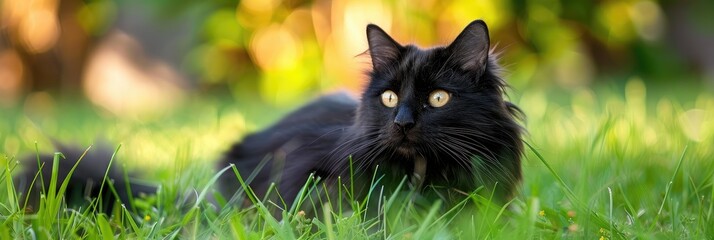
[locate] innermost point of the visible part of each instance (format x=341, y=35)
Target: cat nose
x=406, y=125
x=404, y=118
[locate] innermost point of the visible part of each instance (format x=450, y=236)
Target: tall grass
x=607, y=164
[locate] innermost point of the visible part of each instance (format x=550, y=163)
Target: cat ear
x=470, y=49
x=382, y=48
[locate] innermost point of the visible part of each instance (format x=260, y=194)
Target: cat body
x=292, y=149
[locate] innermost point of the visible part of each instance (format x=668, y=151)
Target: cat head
x=446, y=100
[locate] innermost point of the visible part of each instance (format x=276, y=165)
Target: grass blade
x=105, y=229
x=669, y=188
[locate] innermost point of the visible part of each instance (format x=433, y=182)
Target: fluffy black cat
x=435, y=116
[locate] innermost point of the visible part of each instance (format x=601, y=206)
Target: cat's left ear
x=470, y=49
x=382, y=48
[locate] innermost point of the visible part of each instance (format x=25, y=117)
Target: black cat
x=435, y=116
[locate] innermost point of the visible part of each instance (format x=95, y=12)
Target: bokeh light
x=11, y=73
x=285, y=52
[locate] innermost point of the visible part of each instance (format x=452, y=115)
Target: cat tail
x=91, y=173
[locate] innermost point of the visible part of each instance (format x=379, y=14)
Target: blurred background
x=129, y=56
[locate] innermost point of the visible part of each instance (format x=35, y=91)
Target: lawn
x=607, y=162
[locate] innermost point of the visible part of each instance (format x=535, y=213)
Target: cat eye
x=439, y=98
x=389, y=99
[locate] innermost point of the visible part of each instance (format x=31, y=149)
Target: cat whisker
x=463, y=148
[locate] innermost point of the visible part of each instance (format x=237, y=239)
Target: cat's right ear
x=470, y=49
x=382, y=48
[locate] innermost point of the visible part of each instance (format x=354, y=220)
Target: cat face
x=443, y=101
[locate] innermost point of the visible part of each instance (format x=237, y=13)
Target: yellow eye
x=439, y=98
x=389, y=99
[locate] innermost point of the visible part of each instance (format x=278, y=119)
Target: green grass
x=612, y=163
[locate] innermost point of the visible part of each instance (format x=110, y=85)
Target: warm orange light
x=275, y=48
x=11, y=74
x=356, y=16
x=39, y=30
x=124, y=81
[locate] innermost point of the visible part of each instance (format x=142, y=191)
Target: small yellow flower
x=541, y=213
x=602, y=238
x=147, y=218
